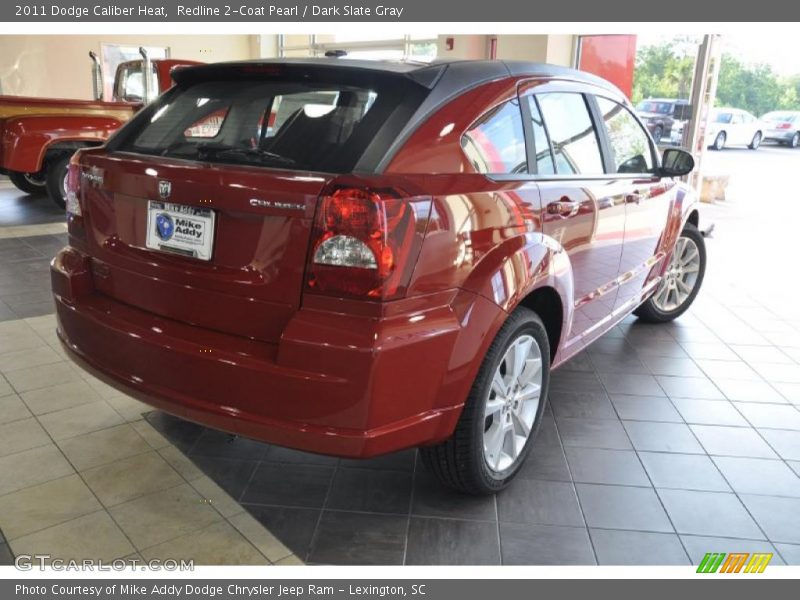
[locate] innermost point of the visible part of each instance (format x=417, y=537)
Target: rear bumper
x=779, y=135
x=335, y=384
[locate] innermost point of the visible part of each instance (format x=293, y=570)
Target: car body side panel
x=647, y=218
x=26, y=140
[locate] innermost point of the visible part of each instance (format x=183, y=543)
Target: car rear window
x=321, y=126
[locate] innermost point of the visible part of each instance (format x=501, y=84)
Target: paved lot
x=661, y=443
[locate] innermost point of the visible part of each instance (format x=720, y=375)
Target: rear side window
x=629, y=143
x=291, y=124
x=575, y=146
x=495, y=143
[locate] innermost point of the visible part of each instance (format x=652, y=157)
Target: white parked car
x=733, y=127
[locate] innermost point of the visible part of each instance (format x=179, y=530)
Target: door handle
x=563, y=208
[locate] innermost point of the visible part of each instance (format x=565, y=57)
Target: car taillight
x=366, y=242
x=784, y=125
x=73, y=186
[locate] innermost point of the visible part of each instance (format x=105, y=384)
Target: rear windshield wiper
x=259, y=155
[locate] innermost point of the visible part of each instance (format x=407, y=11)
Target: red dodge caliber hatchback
x=352, y=257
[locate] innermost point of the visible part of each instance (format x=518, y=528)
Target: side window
x=541, y=143
x=630, y=145
x=495, y=143
x=572, y=134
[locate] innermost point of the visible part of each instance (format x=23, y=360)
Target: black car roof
x=445, y=80
x=461, y=74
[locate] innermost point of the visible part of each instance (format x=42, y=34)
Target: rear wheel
x=756, y=142
x=57, y=180
x=795, y=141
x=502, y=413
x=719, y=142
x=30, y=183
x=681, y=282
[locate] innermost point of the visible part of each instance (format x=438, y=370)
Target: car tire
x=756, y=141
x=660, y=307
x=30, y=183
x=56, y=180
x=470, y=461
x=658, y=133
x=795, y=141
x=719, y=141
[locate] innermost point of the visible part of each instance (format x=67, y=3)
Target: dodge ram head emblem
x=164, y=188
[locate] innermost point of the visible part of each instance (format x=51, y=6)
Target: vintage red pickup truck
x=38, y=135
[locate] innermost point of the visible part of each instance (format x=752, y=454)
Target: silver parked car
x=782, y=126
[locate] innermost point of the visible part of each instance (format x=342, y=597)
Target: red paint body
x=31, y=126
x=239, y=344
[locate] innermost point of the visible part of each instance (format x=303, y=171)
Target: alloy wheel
x=512, y=403
x=680, y=278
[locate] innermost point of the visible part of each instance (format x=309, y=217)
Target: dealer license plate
x=180, y=229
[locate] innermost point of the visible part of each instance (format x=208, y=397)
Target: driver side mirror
x=676, y=163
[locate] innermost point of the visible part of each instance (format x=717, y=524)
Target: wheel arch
x=694, y=217
x=533, y=271
x=64, y=146
x=546, y=302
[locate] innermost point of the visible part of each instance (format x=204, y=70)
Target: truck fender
x=26, y=140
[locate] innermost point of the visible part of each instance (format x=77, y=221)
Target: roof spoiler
x=426, y=76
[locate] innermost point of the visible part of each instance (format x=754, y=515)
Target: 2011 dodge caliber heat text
x=352, y=258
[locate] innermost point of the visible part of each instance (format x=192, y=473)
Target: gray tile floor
x=24, y=276
x=18, y=209
x=642, y=458
x=660, y=443
x=6, y=557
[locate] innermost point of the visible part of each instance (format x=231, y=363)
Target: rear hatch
x=201, y=209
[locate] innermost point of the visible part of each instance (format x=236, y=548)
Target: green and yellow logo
x=735, y=562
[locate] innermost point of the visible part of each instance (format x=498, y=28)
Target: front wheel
x=57, y=180
x=30, y=183
x=681, y=281
x=756, y=141
x=719, y=141
x=502, y=413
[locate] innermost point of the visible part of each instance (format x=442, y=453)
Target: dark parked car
x=660, y=115
x=353, y=258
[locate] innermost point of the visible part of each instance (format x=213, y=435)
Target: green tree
x=666, y=70
x=662, y=71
